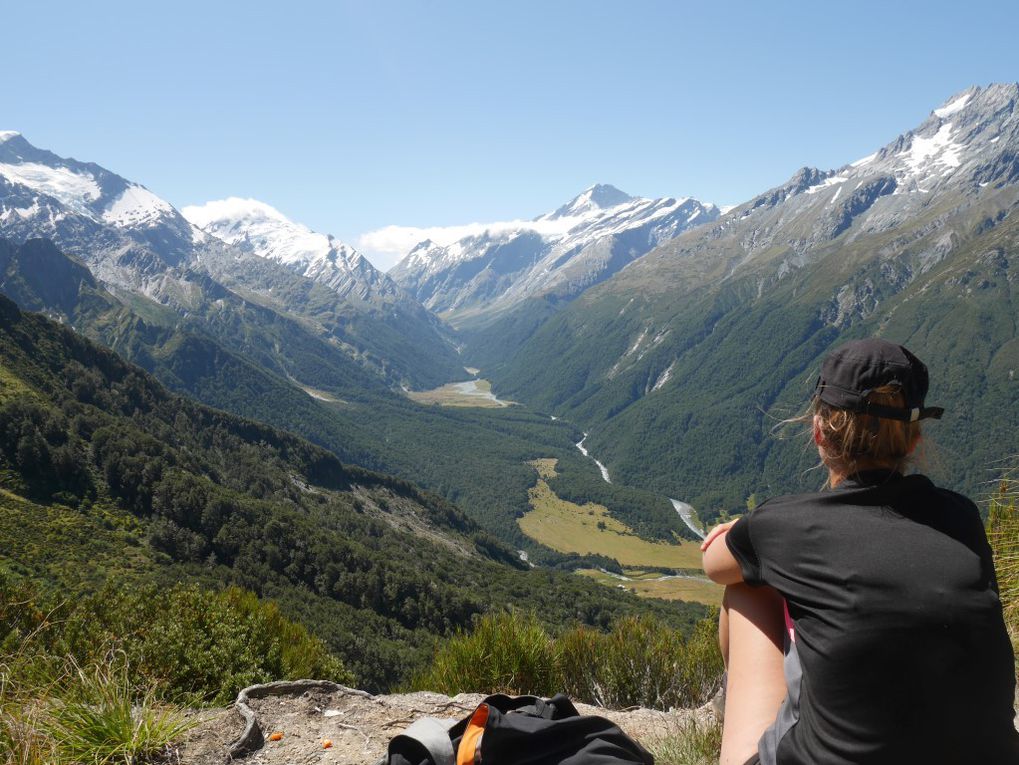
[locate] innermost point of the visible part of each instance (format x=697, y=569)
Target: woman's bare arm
x=719, y=564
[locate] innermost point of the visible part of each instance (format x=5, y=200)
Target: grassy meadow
x=589, y=528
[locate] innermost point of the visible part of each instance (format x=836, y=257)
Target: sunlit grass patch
x=472, y=393
x=11, y=385
x=546, y=468
x=652, y=585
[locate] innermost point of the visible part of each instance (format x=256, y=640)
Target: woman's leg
x=750, y=633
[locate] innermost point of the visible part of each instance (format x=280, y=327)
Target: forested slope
x=369, y=563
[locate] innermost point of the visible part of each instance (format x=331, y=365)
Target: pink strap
x=789, y=626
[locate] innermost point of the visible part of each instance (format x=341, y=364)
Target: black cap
x=852, y=371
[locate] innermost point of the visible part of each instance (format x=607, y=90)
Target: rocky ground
x=314, y=722
x=319, y=724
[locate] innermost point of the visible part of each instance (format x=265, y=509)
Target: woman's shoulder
x=946, y=497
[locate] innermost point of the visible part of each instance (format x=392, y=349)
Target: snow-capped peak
x=263, y=228
x=966, y=144
x=563, y=252
x=78, y=191
x=232, y=210
x=957, y=144
x=601, y=196
x=86, y=189
x=957, y=141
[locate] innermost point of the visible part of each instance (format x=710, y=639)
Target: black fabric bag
x=517, y=730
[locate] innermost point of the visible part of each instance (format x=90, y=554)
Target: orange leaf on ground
x=276, y=736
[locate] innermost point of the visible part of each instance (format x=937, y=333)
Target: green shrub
x=641, y=662
x=506, y=653
x=187, y=643
x=703, y=668
x=638, y=662
x=578, y=652
x=198, y=644
x=84, y=682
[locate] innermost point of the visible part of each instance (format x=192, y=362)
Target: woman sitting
x=862, y=624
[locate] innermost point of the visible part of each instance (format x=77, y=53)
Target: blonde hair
x=852, y=441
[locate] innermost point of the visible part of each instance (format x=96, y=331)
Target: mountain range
x=672, y=341
x=675, y=335
x=256, y=314
x=148, y=254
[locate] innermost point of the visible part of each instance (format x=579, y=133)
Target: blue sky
x=353, y=116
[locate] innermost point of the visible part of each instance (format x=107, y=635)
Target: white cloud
x=399, y=240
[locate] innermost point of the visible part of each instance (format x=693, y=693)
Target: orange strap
x=468, y=749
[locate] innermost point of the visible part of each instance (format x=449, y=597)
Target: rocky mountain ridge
x=130, y=237
x=964, y=150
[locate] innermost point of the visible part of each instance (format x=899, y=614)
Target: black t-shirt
x=904, y=653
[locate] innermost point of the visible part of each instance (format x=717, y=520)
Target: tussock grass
x=693, y=742
x=52, y=715
x=89, y=681
x=28, y=678
x=22, y=719
x=101, y=718
x=55, y=712
x=1003, y=534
